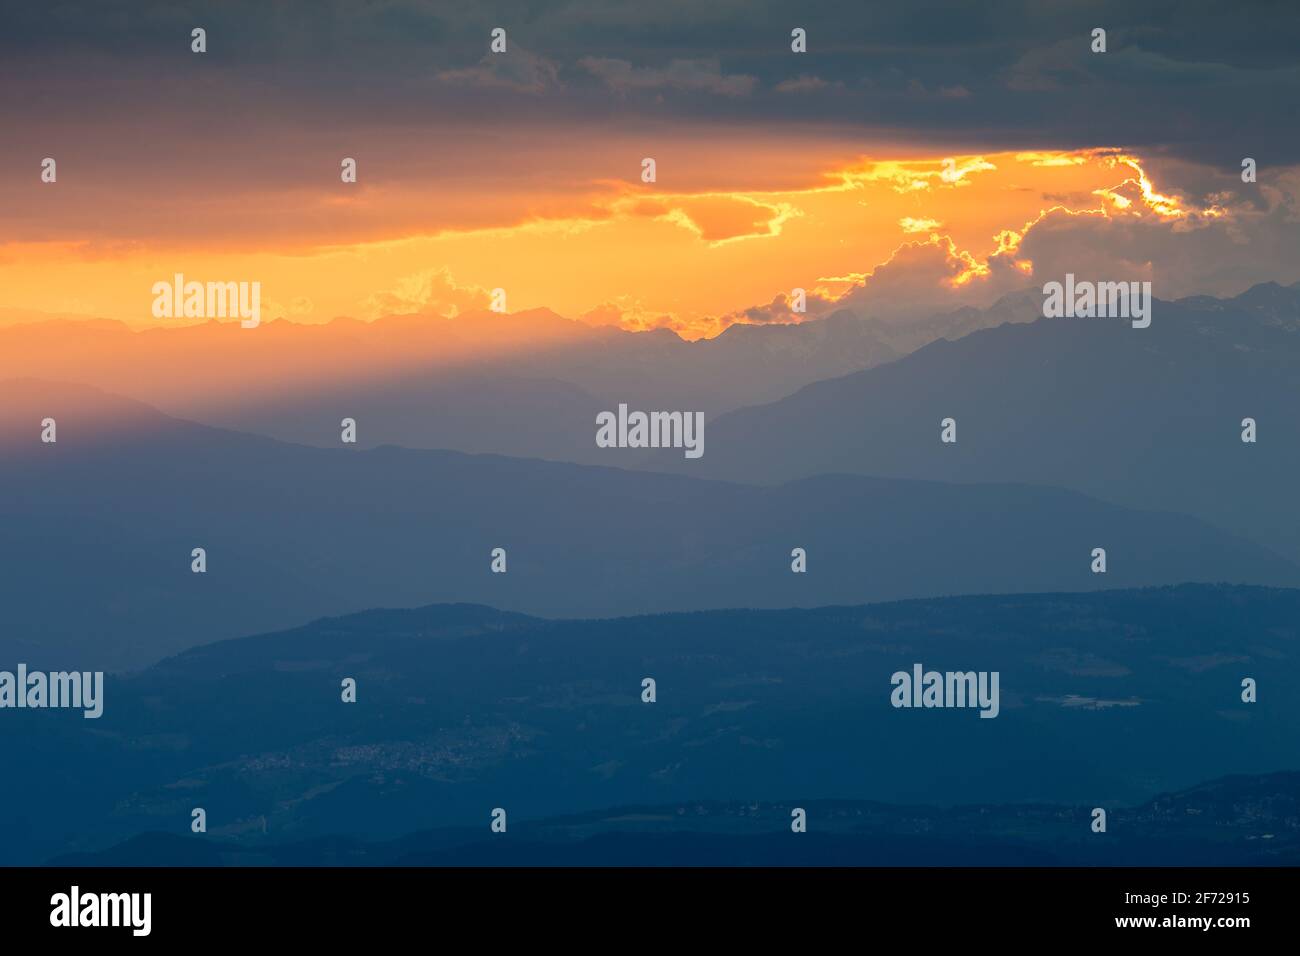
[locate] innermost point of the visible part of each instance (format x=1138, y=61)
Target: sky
x=522, y=170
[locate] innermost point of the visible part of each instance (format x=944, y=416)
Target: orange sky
x=682, y=252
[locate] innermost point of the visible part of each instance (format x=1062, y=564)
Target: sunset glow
x=627, y=253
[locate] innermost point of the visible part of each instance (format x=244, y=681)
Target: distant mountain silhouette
x=523, y=384
x=404, y=374
x=1147, y=418
x=467, y=411
x=908, y=335
x=1107, y=699
x=543, y=403
x=100, y=527
x=1232, y=821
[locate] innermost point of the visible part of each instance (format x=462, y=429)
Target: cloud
x=954, y=92
x=715, y=217
x=627, y=312
x=696, y=76
x=909, y=224
x=804, y=83
x=1052, y=67
x=516, y=70
x=298, y=307
x=1220, y=257
x=1213, y=240
x=920, y=175
x=1043, y=158
x=994, y=77
x=431, y=292
x=817, y=304
x=921, y=278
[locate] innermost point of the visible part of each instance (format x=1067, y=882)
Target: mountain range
x=526, y=384
x=1107, y=699
x=1146, y=418
x=100, y=528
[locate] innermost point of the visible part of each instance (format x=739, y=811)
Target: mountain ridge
x=1108, y=698
x=853, y=833
x=295, y=531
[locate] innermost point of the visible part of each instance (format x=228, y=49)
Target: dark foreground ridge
x=1233, y=821
x=1106, y=699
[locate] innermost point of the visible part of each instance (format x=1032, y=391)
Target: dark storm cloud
x=1211, y=82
